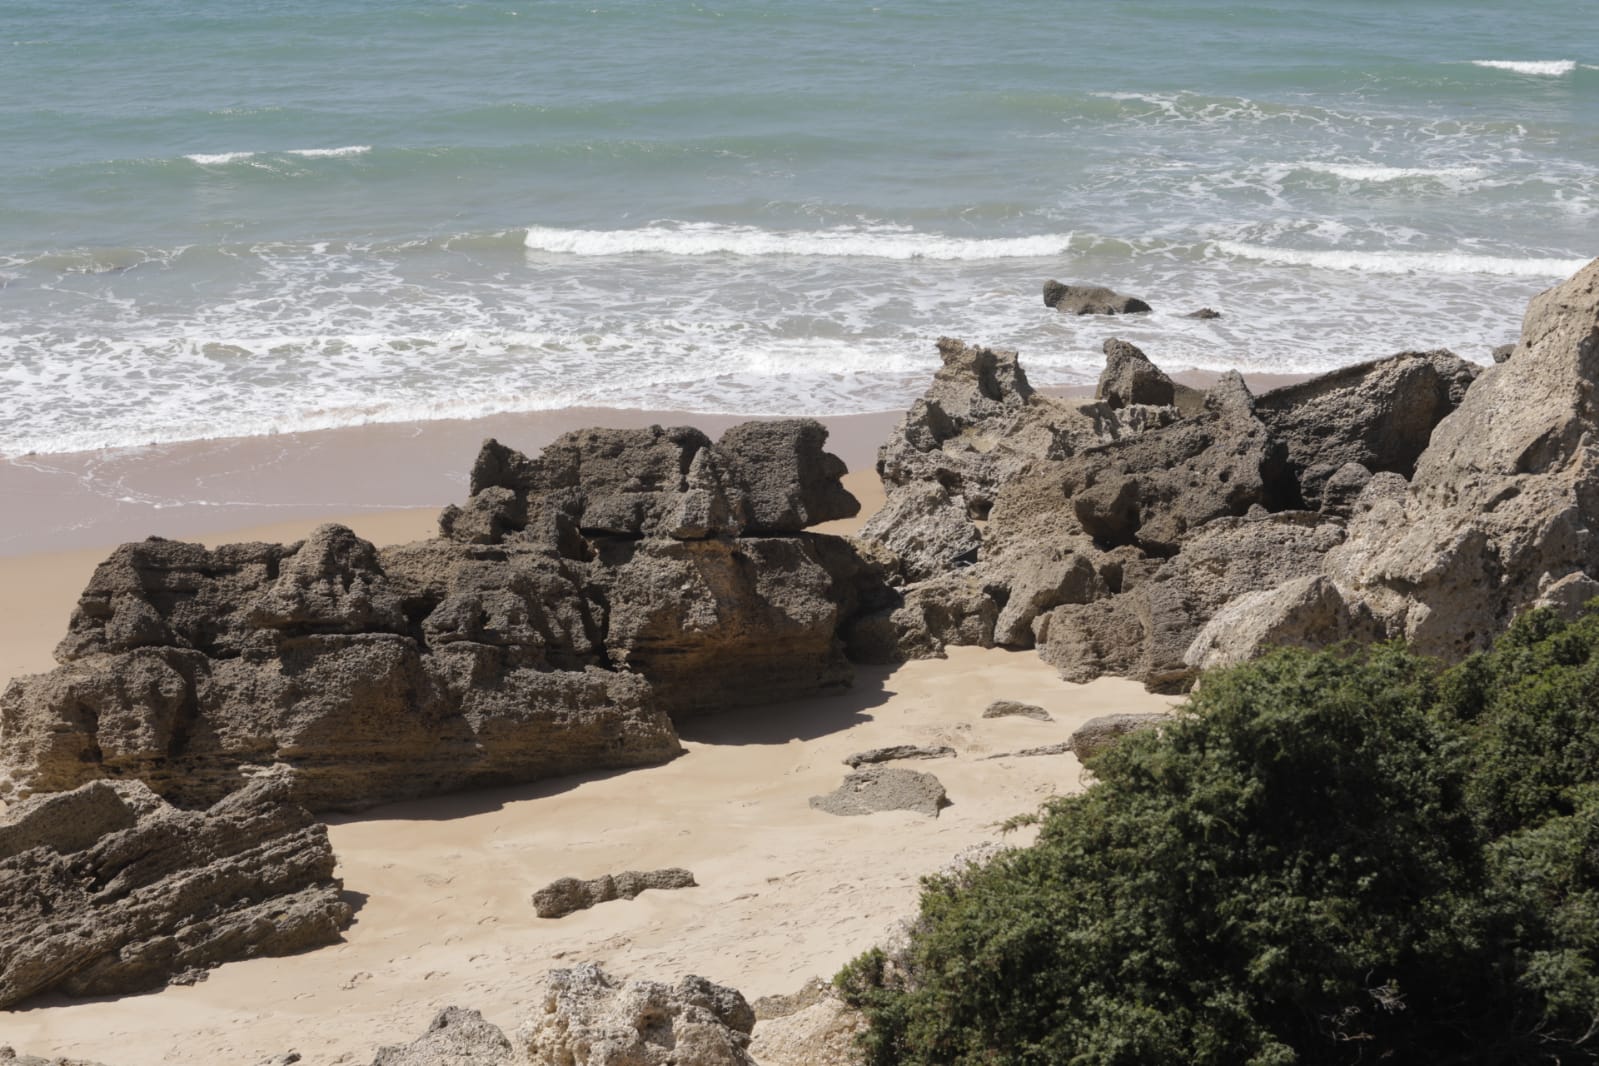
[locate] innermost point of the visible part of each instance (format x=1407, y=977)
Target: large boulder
x=108, y=889
x=1379, y=415
x=1505, y=499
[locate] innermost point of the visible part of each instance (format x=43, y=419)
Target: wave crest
x=1404, y=262
x=713, y=239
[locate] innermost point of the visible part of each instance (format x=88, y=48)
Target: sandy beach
x=443, y=886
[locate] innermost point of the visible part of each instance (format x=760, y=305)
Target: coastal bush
x=1327, y=858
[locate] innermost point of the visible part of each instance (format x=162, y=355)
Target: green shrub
x=1325, y=859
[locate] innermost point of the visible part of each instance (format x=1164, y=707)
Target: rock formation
x=813, y=1027
x=567, y=895
x=455, y=1037
x=884, y=788
x=1090, y=300
x=108, y=889
x=1100, y=734
x=575, y=603
x=898, y=751
x=1015, y=709
x=1110, y=535
x=582, y=1017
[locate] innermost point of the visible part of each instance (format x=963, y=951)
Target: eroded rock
x=582, y=1017
x=108, y=889
x=568, y=894
x=1015, y=709
x=884, y=788
x=1100, y=734
x=1090, y=300
x=899, y=751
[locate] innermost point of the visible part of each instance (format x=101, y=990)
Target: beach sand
x=443, y=886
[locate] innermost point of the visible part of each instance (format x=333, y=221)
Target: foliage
x=1328, y=858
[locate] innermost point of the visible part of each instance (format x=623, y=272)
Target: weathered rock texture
x=1505, y=499
x=108, y=889
x=1014, y=709
x=573, y=605
x=813, y=1027
x=1100, y=734
x=884, y=788
x=1111, y=535
x=581, y=1017
x=899, y=751
x=455, y=1037
x=1090, y=300
x=568, y=894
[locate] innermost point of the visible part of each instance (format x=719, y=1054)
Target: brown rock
x=1379, y=415
x=898, y=751
x=568, y=894
x=455, y=1037
x=108, y=889
x=1130, y=378
x=1090, y=300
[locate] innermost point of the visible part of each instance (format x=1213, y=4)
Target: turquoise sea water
x=226, y=219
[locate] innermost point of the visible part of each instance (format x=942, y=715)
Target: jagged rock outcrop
x=567, y=895
x=1505, y=499
x=929, y=530
x=1306, y=612
x=760, y=477
x=1090, y=300
x=108, y=889
x=582, y=1017
x=1130, y=378
x=1378, y=414
x=578, y=601
x=884, y=788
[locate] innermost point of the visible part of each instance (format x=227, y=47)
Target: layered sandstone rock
x=108, y=889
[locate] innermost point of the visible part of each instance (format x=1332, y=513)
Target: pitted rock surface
x=884, y=788
x=108, y=889
x=567, y=895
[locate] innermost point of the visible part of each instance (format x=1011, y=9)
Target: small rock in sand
x=1013, y=709
x=568, y=894
x=884, y=788
x=899, y=751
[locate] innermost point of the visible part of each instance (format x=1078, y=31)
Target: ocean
x=240, y=219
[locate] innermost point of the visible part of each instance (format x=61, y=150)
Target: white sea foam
x=713, y=239
x=1547, y=68
x=219, y=159
x=1373, y=173
x=1404, y=262
x=329, y=153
